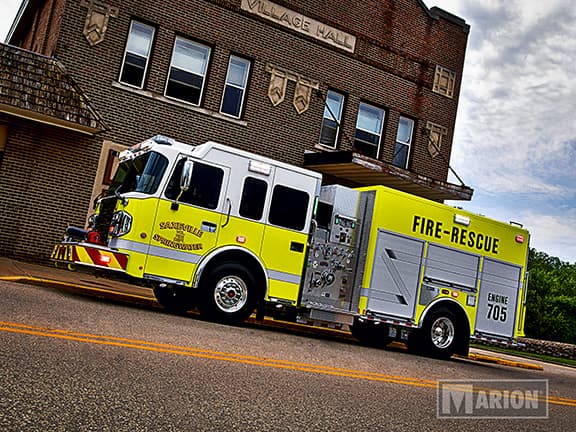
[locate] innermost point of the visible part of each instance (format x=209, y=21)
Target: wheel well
x=242, y=258
x=456, y=309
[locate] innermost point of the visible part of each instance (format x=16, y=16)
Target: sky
x=515, y=136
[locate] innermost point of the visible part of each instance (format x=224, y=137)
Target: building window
x=187, y=71
x=288, y=208
x=444, y=81
x=137, y=54
x=436, y=134
x=369, y=130
x=403, y=142
x=235, y=87
x=331, y=120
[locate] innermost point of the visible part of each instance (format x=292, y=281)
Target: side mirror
x=186, y=177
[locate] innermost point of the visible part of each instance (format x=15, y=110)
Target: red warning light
x=519, y=238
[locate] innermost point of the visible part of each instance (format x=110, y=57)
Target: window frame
x=148, y=55
x=408, y=144
x=244, y=89
x=204, y=75
x=338, y=121
x=381, y=132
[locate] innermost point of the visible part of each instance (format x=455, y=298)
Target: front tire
x=229, y=294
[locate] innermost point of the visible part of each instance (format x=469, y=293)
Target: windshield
x=142, y=174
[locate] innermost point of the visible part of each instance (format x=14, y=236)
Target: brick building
x=47, y=125
x=365, y=92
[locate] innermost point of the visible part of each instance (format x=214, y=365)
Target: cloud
x=515, y=137
x=518, y=109
x=553, y=232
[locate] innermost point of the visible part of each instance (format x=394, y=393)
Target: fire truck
x=229, y=232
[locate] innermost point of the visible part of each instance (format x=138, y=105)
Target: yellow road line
x=269, y=321
x=204, y=353
x=231, y=357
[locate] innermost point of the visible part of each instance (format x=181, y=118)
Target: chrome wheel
x=230, y=294
x=442, y=332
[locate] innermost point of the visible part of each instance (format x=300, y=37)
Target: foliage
x=551, y=302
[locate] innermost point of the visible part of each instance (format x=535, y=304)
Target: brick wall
x=46, y=179
x=399, y=45
x=43, y=27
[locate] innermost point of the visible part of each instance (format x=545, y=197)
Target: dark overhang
x=360, y=170
x=38, y=88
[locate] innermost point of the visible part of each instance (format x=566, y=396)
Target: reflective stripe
x=99, y=257
x=186, y=257
x=157, y=251
x=129, y=245
x=284, y=277
x=364, y=292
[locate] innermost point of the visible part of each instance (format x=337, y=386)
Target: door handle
x=297, y=247
x=228, y=214
x=208, y=226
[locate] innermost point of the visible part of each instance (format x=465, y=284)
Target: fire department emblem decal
x=97, y=20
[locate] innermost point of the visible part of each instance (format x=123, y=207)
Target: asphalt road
x=75, y=363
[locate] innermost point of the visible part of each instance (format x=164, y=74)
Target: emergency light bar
x=462, y=220
x=259, y=167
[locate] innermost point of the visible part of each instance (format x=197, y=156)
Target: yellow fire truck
x=228, y=232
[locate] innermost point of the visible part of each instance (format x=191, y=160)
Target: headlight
x=121, y=224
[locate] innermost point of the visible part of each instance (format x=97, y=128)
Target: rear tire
x=369, y=334
x=229, y=294
x=439, y=335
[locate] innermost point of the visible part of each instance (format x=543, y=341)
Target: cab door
x=187, y=224
x=285, y=238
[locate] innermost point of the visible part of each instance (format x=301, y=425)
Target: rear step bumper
x=90, y=255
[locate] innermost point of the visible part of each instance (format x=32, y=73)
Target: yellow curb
x=501, y=361
x=399, y=345
x=70, y=285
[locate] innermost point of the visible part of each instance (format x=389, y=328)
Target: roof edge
x=438, y=13
x=47, y=119
x=454, y=19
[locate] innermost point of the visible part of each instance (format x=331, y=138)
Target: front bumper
x=89, y=255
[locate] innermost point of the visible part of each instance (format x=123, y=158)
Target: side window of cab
x=205, y=186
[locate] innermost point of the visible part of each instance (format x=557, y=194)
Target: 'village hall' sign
x=300, y=23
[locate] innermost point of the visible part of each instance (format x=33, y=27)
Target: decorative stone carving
x=97, y=20
x=435, y=134
x=277, y=89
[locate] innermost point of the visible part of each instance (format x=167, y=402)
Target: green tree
x=551, y=301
